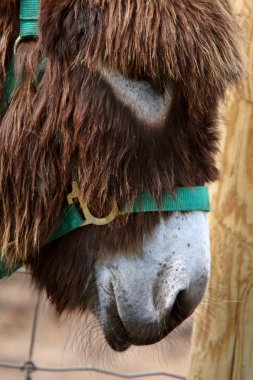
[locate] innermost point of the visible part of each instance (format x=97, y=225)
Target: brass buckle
x=89, y=218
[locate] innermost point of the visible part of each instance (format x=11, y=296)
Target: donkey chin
x=141, y=299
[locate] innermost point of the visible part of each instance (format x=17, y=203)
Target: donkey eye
x=148, y=100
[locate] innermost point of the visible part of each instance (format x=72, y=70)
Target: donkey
x=121, y=97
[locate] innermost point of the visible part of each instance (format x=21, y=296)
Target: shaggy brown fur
x=71, y=126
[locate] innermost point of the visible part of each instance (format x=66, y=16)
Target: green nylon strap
x=29, y=15
x=5, y=271
x=9, y=84
x=186, y=199
x=70, y=221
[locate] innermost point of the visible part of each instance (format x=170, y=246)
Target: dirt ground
x=64, y=343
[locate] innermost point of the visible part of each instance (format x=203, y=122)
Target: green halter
x=185, y=199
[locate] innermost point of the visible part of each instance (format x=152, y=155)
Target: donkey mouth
x=120, y=335
x=120, y=339
x=115, y=333
x=149, y=103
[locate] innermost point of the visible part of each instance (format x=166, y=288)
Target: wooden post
x=222, y=345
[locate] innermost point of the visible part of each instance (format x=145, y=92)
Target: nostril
x=181, y=308
x=184, y=305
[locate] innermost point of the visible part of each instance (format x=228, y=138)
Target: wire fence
x=29, y=366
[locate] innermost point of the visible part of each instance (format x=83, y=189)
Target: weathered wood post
x=222, y=345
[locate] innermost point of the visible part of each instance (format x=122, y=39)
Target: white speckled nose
x=151, y=294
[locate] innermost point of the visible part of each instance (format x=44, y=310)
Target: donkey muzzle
x=141, y=299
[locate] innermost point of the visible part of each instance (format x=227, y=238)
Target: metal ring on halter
x=17, y=42
x=89, y=218
x=20, y=39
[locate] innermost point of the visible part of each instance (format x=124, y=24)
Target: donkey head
x=128, y=102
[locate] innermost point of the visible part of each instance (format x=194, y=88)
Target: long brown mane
x=71, y=126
